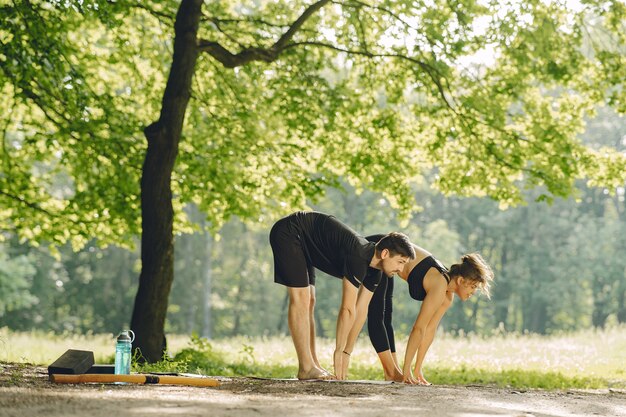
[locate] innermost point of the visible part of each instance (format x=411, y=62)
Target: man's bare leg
x=300, y=328
x=312, y=327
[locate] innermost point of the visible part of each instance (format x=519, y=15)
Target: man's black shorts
x=305, y=241
x=291, y=267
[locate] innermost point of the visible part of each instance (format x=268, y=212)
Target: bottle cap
x=125, y=337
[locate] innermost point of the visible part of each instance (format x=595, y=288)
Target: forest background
x=385, y=115
x=558, y=267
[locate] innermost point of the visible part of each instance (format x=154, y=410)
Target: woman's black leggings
x=379, y=317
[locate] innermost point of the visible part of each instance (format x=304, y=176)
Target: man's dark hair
x=397, y=244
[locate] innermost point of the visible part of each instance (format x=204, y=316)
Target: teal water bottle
x=123, y=349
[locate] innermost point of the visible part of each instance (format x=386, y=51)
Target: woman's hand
x=408, y=378
x=345, y=364
x=421, y=380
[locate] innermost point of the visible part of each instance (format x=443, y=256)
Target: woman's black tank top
x=416, y=277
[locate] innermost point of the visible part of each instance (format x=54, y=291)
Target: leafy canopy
x=486, y=97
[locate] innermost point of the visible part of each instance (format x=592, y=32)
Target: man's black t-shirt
x=332, y=246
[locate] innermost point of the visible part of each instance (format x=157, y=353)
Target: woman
x=430, y=282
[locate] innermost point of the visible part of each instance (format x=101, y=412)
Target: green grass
x=586, y=359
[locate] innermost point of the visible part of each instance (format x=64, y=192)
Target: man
x=304, y=241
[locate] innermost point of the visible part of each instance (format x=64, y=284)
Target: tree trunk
x=284, y=313
x=621, y=307
x=163, y=136
x=600, y=312
x=502, y=293
x=602, y=300
x=538, y=317
x=319, y=329
x=208, y=288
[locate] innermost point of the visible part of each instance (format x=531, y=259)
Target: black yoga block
x=72, y=362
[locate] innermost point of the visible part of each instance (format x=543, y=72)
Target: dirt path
x=26, y=391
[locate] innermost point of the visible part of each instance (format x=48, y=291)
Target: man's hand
x=338, y=357
x=345, y=320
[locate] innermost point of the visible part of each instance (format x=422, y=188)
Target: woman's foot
x=396, y=377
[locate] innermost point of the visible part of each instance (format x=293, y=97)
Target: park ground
x=25, y=390
x=580, y=374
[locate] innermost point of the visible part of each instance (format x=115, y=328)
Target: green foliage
x=200, y=357
x=373, y=94
x=584, y=359
x=516, y=378
x=340, y=115
x=15, y=276
x=16, y=376
x=72, y=153
x=557, y=268
x=83, y=292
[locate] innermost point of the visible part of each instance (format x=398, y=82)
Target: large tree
x=263, y=104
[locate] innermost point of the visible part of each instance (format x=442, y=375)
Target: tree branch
x=428, y=69
x=465, y=116
x=230, y=60
x=163, y=17
x=359, y=4
x=5, y=128
x=216, y=21
x=312, y=9
x=28, y=204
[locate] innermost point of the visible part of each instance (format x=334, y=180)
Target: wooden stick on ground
x=135, y=379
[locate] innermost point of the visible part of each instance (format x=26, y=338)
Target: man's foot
x=315, y=373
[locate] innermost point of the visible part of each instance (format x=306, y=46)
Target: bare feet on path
x=25, y=390
x=315, y=373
